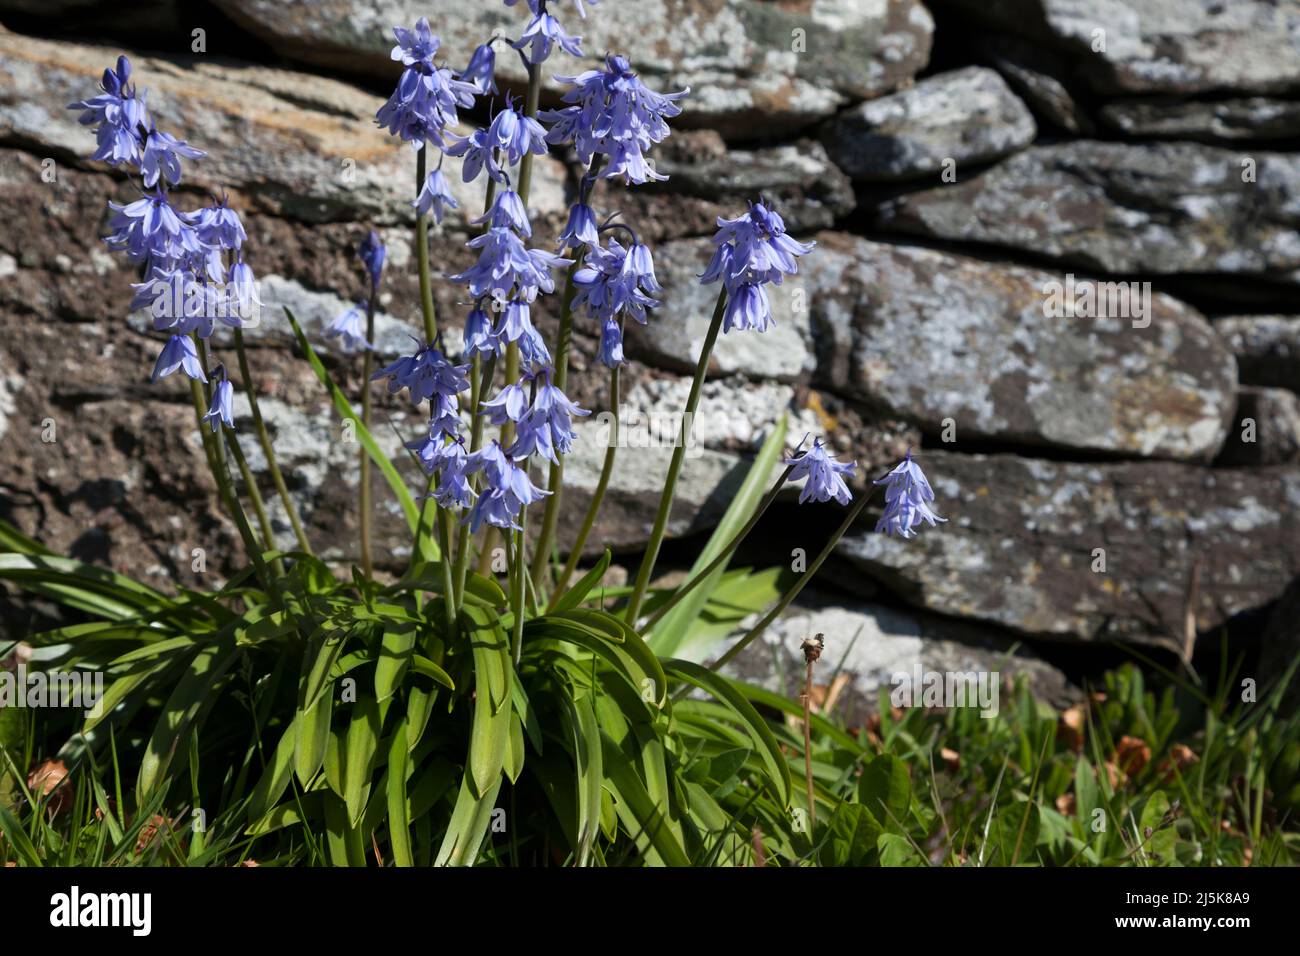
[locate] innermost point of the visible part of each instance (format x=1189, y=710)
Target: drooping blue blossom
x=547, y=426
x=416, y=47
x=516, y=135
x=220, y=226
x=476, y=149
x=507, y=212
x=372, y=253
x=120, y=117
x=823, y=474
x=453, y=490
x=479, y=335
x=179, y=353
x=435, y=196
x=542, y=34
x=616, y=280
x=506, y=492
x=220, y=410
x=752, y=251
x=242, y=300
x=482, y=69
x=149, y=228
x=580, y=229
x=511, y=404
x=611, y=343
x=425, y=374
x=532, y=349
x=505, y=264
x=614, y=114
x=350, y=327
x=161, y=157
x=425, y=103
x=907, y=500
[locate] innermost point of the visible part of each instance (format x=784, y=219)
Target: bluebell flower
x=532, y=350
x=350, y=326
x=416, y=47
x=611, y=343
x=580, y=229
x=453, y=490
x=907, y=500
x=479, y=335
x=516, y=135
x=476, y=149
x=372, y=253
x=178, y=353
x=243, y=298
x=613, y=113
x=516, y=321
x=425, y=374
x=220, y=410
x=541, y=35
x=535, y=6
x=823, y=474
x=482, y=69
x=220, y=226
x=507, y=212
x=425, y=103
x=752, y=251
x=149, y=228
x=507, y=490
x=435, y=196
x=511, y=404
x=505, y=265
x=547, y=426
x=120, y=117
x=615, y=280
x=161, y=157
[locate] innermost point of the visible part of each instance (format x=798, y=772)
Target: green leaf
x=896, y=850
x=492, y=711
x=381, y=461
x=851, y=838
x=1160, y=838
x=575, y=595
x=885, y=789
x=672, y=635
x=359, y=756
x=399, y=824
x=395, y=648
x=749, y=719
x=470, y=819
x=422, y=665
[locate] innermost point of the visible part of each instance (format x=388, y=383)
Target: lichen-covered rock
x=305, y=146
x=1162, y=46
x=1026, y=542
x=1255, y=117
x=937, y=338
x=790, y=64
x=1266, y=428
x=873, y=644
x=1267, y=348
x=964, y=116
x=1115, y=207
x=1038, y=76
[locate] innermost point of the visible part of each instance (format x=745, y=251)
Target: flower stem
x=724, y=554
x=598, y=496
x=519, y=569
x=264, y=437
x=807, y=739
x=789, y=596
x=367, y=562
x=675, y=466
x=430, y=317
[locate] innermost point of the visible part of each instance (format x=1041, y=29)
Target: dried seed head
x=812, y=647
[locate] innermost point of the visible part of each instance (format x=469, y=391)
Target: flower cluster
x=753, y=250
x=544, y=32
x=907, y=500
x=191, y=262
x=425, y=103
x=614, y=115
x=615, y=281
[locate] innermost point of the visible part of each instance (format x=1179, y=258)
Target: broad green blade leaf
x=11, y=539
x=885, y=789
x=399, y=824
x=395, y=649
x=422, y=665
x=88, y=588
x=359, y=755
x=469, y=825
x=275, y=778
x=344, y=408
x=193, y=692
x=640, y=814
x=17, y=838
x=672, y=635
x=722, y=689
x=489, y=737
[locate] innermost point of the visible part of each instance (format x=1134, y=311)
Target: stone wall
x=983, y=180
